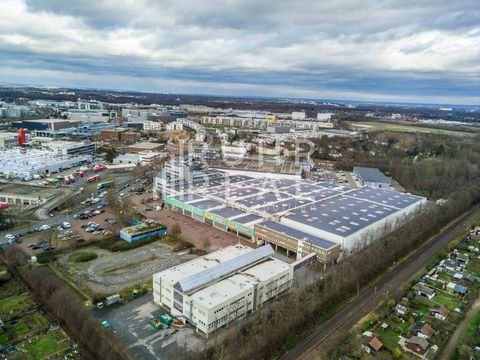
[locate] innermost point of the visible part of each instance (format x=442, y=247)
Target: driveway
x=130, y=322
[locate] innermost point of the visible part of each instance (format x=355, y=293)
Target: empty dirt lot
x=195, y=232
x=112, y=272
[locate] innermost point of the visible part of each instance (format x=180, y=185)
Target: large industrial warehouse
x=215, y=289
x=21, y=163
x=298, y=216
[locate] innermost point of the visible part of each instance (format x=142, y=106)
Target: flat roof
x=47, y=121
x=187, y=197
x=26, y=189
x=205, y=204
x=341, y=215
x=333, y=208
x=297, y=234
x=8, y=134
x=282, y=206
x=227, y=212
x=145, y=145
x=147, y=225
x=262, y=199
x=385, y=197
x=224, y=268
x=182, y=271
x=371, y=175
x=247, y=219
x=220, y=292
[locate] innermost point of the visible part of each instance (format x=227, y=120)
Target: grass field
x=472, y=328
x=383, y=126
x=15, y=305
x=45, y=345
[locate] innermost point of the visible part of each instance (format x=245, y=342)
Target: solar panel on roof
x=208, y=275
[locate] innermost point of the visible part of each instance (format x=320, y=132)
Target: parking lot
x=130, y=321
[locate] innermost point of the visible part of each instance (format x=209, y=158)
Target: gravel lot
x=113, y=272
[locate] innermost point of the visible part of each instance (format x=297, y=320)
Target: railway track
x=390, y=284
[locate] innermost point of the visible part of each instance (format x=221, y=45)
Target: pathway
x=453, y=341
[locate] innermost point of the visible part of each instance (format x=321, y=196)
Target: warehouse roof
x=205, y=204
x=182, y=271
x=262, y=199
x=187, y=197
x=341, y=215
x=145, y=145
x=247, y=219
x=284, y=205
x=385, y=197
x=227, y=212
x=217, y=293
x=213, y=273
x=300, y=235
x=371, y=175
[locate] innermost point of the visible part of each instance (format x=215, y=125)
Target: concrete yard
x=130, y=322
x=112, y=272
x=195, y=232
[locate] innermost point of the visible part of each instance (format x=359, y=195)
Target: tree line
x=60, y=300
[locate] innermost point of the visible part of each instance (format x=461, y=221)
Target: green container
x=166, y=319
x=156, y=324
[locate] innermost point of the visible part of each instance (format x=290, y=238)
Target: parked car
x=66, y=225
x=45, y=227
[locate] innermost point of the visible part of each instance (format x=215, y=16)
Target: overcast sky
x=401, y=50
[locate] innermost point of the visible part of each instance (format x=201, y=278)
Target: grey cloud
x=397, y=47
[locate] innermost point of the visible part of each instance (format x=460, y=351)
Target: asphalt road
x=58, y=219
x=390, y=284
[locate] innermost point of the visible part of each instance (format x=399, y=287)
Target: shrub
x=83, y=257
x=115, y=244
x=46, y=257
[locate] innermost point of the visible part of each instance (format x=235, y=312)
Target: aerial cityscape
x=239, y=180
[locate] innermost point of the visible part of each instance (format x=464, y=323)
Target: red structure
x=21, y=137
x=93, y=178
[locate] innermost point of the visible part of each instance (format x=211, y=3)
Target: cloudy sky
x=401, y=50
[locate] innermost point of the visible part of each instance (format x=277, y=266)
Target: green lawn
x=473, y=267
x=39, y=320
x=419, y=307
x=10, y=288
x=4, y=338
x=14, y=305
x=42, y=346
x=472, y=327
x=21, y=327
x=389, y=338
x=408, y=128
x=450, y=302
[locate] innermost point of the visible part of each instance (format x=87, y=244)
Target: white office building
x=213, y=290
x=298, y=115
x=174, y=126
x=153, y=126
x=71, y=147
